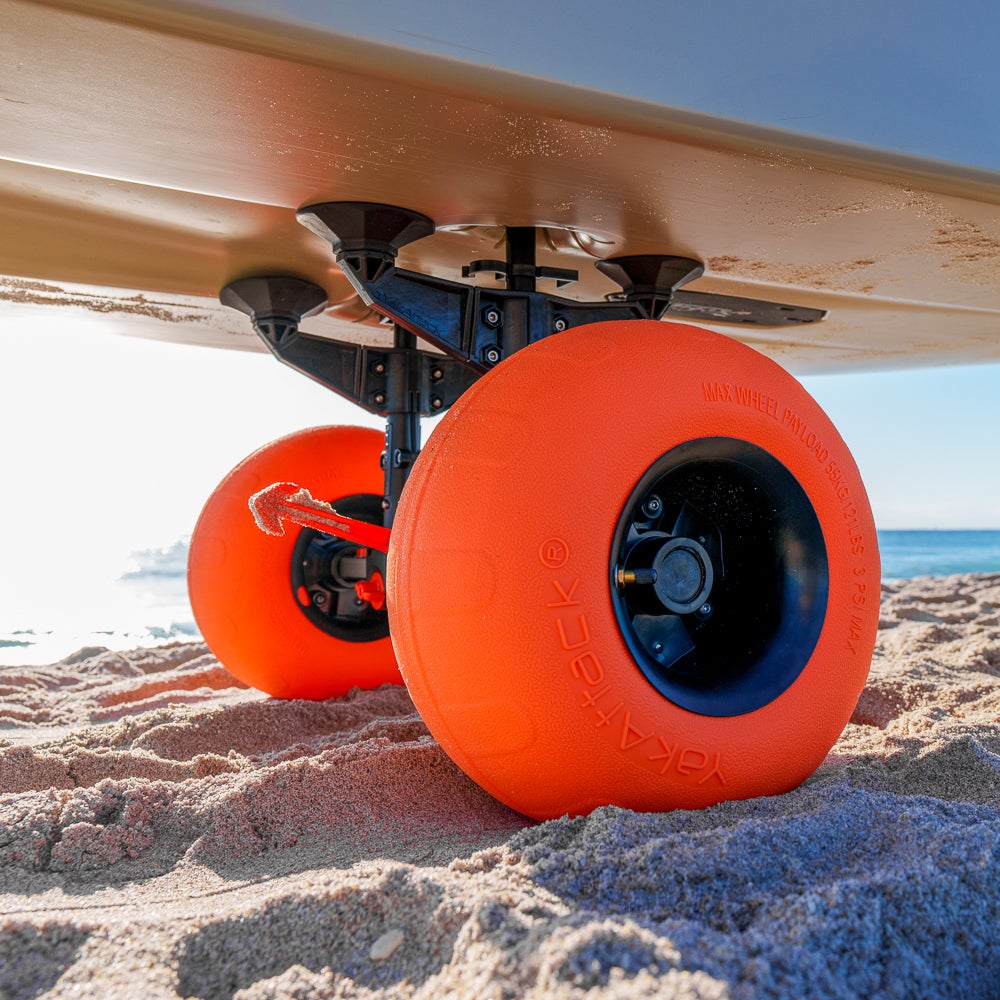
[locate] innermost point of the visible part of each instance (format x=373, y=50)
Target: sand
x=166, y=832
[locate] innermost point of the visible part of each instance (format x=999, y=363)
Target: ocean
x=906, y=554
x=148, y=605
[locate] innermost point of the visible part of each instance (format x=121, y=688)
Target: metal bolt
x=657, y=646
x=705, y=611
x=492, y=316
x=436, y=402
x=386, y=504
x=318, y=598
x=436, y=374
x=492, y=355
x=652, y=506
x=560, y=324
x=378, y=368
x=379, y=398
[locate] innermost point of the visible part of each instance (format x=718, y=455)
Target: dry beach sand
x=165, y=832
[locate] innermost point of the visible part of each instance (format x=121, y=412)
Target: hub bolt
x=379, y=398
x=492, y=316
x=492, y=355
x=436, y=402
x=652, y=507
x=560, y=324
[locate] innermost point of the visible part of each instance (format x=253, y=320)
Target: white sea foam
x=147, y=605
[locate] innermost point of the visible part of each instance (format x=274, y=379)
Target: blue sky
x=925, y=441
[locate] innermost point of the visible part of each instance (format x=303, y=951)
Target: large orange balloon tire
x=240, y=580
x=538, y=654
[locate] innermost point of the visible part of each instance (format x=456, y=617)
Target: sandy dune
x=165, y=832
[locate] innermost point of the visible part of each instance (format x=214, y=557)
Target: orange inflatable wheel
x=634, y=565
x=282, y=614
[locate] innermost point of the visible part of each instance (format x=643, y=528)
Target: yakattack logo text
x=600, y=698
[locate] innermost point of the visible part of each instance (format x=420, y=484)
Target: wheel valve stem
x=643, y=577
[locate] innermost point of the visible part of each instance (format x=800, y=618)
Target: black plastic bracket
x=655, y=283
x=649, y=280
x=474, y=327
x=481, y=326
x=519, y=269
x=378, y=379
x=276, y=304
x=710, y=308
x=562, y=276
x=364, y=235
x=400, y=383
x=477, y=326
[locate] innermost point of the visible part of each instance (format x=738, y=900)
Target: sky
x=111, y=444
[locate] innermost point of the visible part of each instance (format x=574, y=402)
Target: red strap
x=289, y=502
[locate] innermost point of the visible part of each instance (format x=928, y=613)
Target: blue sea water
x=906, y=554
x=148, y=605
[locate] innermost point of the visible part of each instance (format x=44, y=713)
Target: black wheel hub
x=719, y=576
x=684, y=575
x=325, y=569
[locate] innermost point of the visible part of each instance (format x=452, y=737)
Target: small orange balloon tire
x=242, y=583
x=528, y=628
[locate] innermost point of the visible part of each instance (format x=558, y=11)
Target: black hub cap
x=684, y=575
x=325, y=569
x=719, y=576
